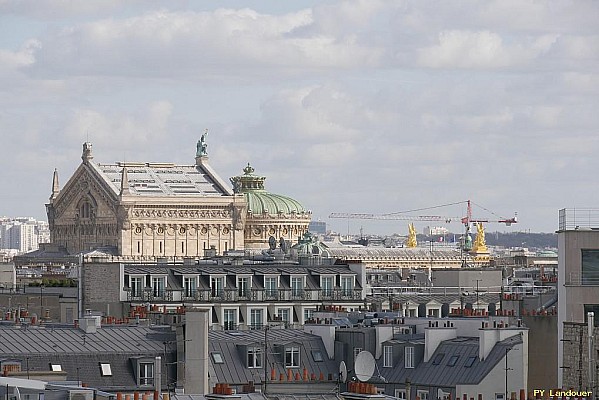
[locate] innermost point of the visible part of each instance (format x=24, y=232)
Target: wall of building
x=542, y=360
x=102, y=287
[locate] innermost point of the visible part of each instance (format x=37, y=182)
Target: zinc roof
x=163, y=179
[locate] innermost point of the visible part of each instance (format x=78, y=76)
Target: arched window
x=86, y=208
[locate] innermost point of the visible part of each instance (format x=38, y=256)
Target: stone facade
x=576, y=356
x=147, y=211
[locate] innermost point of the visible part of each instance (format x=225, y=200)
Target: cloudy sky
x=348, y=106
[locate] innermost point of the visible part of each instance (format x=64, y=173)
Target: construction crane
x=401, y=215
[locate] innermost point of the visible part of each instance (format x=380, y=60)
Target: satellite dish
x=364, y=366
x=342, y=372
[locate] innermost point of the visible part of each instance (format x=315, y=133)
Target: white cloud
x=208, y=44
x=482, y=49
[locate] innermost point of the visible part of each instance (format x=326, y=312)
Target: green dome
x=260, y=201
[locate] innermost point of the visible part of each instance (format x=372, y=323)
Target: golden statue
x=411, y=242
x=480, y=245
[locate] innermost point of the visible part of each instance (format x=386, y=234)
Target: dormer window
x=271, y=285
x=297, y=286
x=158, y=286
x=146, y=373
x=409, y=357
x=292, y=355
x=243, y=286
x=326, y=284
x=254, y=357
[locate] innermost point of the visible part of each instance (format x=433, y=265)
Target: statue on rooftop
x=480, y=244
x=411, y=242
x=202, y=146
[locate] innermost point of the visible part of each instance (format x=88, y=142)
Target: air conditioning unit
x=406, y=330
x=81, y=395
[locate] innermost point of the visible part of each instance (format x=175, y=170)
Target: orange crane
x=401, y=215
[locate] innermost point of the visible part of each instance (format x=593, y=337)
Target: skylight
x=56, y=367
x=217, y=358
x=452, y=361
x=438, y=358
x=105, y=369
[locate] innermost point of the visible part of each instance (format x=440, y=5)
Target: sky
x=362, y=106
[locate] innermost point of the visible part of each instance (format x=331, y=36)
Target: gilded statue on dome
x=411, y=242
x=480, y=245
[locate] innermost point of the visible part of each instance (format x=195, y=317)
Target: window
x=105, y=369
x=158, y=286
x=409, y=358
x=433, y=312
x=308, y=314
x=326, y=285
x=256, y=318
x=423, y=394
x=254, y=357
x=470, y=361
x=400, y=394
x=217, y=284
x=190, y=286
x=270, y=285
x=217, y=358
x=590, y=267
x=297, y=286
x=146, y=374
x=136, y=286
x=387, y=356
x=243, y=286
x=86, y=209
x=591, y=308
x=284, y=314
x=292, y=357
x=230, y=319
x=347, y=285
x=438, y=358
x=55, y=367
x=317, y=356
x=452, y=361
x=498, y=396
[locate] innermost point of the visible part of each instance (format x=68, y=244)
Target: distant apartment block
x=435, y=230
x=23, y=234
x=318, y=227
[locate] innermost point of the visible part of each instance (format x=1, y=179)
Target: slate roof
x=443, y=375
x=80, y=354
x=230, y=344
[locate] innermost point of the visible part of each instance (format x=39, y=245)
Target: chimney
x=196, y=350
x=488, y=337
x=433, y=337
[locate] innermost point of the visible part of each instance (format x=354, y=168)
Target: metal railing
x=578, y=218
x=263, y=295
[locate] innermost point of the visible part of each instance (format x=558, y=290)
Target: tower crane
x=466, y=220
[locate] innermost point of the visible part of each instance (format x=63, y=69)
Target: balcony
x=236, y=296
x=149, y=295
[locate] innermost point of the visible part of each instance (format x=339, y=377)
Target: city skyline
x=363, y=106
